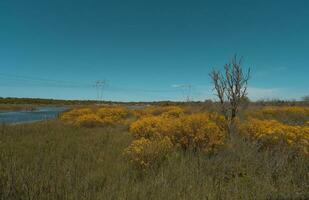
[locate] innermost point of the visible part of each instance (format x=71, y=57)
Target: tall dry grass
x=52, y=160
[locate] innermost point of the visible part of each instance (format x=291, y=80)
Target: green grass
x=50, y=160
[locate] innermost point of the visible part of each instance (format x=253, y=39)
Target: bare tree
x=231, y=88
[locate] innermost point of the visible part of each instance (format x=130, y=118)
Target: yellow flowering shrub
x=152, y=127
x=158, y=110
x=272, y=132
x=199, y=132
x=96, y=117
x=155, y=136
x=145, y=153
x=112, y=115
x=88, y=120
x=294, y=115
x=167, y=111
x=220, y=121
x=73, y=114
x=196, y=131
x=173, y=111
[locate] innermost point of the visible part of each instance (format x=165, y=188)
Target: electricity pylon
x=100, y=85
x=186, y=91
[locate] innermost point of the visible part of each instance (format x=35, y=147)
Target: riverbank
x=19, y=107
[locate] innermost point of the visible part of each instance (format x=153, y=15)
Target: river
x=41, y=113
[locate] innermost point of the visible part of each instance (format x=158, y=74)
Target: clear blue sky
x=59, y=48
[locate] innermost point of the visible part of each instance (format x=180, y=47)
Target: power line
x=47, y=85
x=42, y=80
x=186, y=90
x=36, y=81
x=100, y=86
x=141, y=90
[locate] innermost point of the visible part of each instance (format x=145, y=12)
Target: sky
x=146, y=50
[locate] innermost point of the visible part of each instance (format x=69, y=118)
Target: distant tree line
x=279, y=102
x=40, y=101
x=207, y=102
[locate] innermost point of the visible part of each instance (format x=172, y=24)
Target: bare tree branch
x=231, y=88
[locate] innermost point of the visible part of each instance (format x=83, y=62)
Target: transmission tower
x=100, y=85
x=186, y=90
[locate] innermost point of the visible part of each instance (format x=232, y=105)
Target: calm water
x=40, y=114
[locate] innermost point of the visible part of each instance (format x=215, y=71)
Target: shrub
x=112, y=115
x=89, y=120
x=173, y=111
x=152, y=127
x=271, y=132
x=167, y=111
x=145, y=153
x=196, y=131
x=73, y=114
x=293, y=115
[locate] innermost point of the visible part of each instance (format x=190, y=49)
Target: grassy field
x=53, y=160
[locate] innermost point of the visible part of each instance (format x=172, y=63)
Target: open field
x=97, y=158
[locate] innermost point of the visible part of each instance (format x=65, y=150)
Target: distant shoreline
x=19, y=107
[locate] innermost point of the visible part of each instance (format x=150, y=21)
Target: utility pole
x=100, y=85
